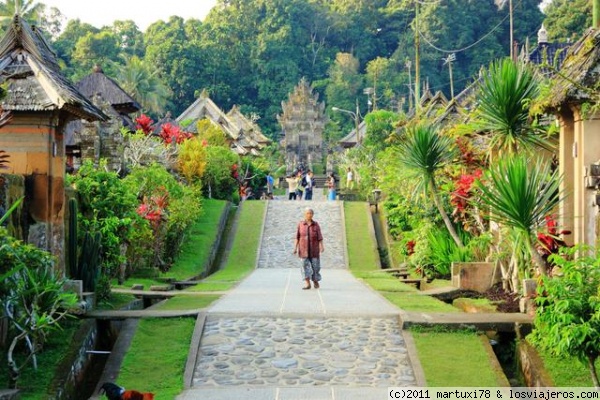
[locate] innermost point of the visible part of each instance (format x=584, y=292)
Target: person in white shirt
x=350, y=179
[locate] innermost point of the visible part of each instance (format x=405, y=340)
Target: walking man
x=309, y=246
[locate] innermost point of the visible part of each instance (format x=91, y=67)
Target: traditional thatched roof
x=203, y=108
x=97, y=83
x=350, y=140
x=35, y=82
x=249, y=127
x=582, y=67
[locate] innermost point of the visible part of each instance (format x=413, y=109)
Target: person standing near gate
x=309, y=246
x=310, y=184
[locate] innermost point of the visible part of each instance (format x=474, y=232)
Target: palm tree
x=29, y=10
x=504, y=95
x=143, y=84
x=423, y=152
x=520, y=194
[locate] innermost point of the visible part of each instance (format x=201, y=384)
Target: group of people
x=301, y=185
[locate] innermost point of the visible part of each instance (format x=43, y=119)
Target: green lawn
x=448, y=358
x=242, y=258
x=188, y=302
x=454, y=358
x=567, y=371
x=362, y=251
x=199, y=241
x=155, y=362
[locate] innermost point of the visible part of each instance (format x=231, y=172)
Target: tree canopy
x=251, y=53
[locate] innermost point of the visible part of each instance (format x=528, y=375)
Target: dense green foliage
x=567, y=320
x=253, y=52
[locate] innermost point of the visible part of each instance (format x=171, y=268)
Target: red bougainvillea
x=154, y=208
x=170, y=133
x=144, y=123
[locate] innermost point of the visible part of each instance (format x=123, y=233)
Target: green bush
x=176, y=205
x=106, y=206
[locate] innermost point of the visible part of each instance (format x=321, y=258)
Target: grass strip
x=156, y=359
x=362, y=250
x=566, y=371
x=199, y=241
x=242, y=257
x=453, y=358
x=187, y=302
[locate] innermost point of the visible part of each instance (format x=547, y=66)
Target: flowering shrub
x=461, y=197
x=144, y=123
x=170, y=133
x=168, y=207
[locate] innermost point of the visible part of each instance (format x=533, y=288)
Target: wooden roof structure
x=35, y=82
x=248, y=127
x=351, y=140
x=244, y=136
x=203, y=108
x=98, y=84
x=582, y=66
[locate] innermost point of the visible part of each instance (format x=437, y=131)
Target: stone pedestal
x=478, y=276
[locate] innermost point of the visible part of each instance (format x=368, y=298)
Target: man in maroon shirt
x=309, y=246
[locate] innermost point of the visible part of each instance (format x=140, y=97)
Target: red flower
x=144, y=123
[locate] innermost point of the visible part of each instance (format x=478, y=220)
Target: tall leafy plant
x=32, y=299
x=424, y=153
x=505, y=92
x=520, y=193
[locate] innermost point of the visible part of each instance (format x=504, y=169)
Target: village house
x=41, y=102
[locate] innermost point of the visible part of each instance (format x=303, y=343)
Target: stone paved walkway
x=277, y=244
x=268, y=339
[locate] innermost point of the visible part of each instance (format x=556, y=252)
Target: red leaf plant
x=144, y=123
x=461, y=195
x=170, y=133
x=410, y=247
x=154, y=209
x=550, y=242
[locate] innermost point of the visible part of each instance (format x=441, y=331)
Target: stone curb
x=413, y=356
x=262, y=234
x=344, y=238
x=192, y=358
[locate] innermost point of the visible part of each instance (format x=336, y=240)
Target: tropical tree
x=143, y=83
x=423, y=153
x=567, y=19
x=567, y=320
x=505, y=92
x=520, y=194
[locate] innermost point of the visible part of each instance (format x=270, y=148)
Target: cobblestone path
x=268, y=339
x=303, y=352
